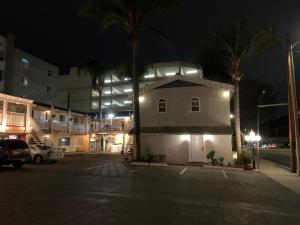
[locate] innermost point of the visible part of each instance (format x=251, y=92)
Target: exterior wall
x=214, y=107
x=79, y=89
x=78, y=143
x=36, y=71
x=177, y=147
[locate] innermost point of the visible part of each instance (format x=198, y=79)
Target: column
x=27, y=118
x=4, y=116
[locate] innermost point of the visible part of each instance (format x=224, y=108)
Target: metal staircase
x=37, y=135
x=129, y=149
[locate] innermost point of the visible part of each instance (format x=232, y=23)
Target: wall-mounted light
x=226, y=94
x=208, y=137
x=107, y=81
x=127, y=102
x=191, y=71
x=148, y=76
x=231, y=116
x=127, y=90
x=111, y=115
x=170, y=74
x=186, y=137
x=141, y=98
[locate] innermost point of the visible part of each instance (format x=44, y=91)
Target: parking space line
x=132, y=171
x=100, y=165
x=225, y=175
x=183, y=171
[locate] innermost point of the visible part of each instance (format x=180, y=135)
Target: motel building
x=184, y=118
x=15, y=117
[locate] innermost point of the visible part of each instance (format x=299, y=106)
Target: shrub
x=243, y=159
x=211, y=157
x=162, y=158
x=221, y=161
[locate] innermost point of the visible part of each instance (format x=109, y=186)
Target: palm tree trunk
x=136, y=91
x=237, y=117
x=100, y=114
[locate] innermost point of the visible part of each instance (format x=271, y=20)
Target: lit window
x=25, y=63
x=162, y=105
x=95, y=93
x=195, y=104
x=49, y=89
x=64, y=141
x=50, y=74
x=95, y=105
x=24, y=81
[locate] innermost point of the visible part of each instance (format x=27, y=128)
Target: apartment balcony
x=15, y=119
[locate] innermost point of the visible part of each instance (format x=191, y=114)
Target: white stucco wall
x=214, y=107
x=177, y=147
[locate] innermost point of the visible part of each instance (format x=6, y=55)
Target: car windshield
x=17, y=144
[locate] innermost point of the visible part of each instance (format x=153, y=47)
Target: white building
x=78, y=94
x=24, y=75
x=185, y=118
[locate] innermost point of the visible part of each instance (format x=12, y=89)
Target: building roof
x=186, y=130
x=187, y=79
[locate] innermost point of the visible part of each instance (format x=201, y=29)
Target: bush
x=216, y=162
x=162, y=158
x=243, y=159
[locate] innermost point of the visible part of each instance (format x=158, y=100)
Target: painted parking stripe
x=225, y=175
x=183, y=171
x=100, y=165
x=132, y=171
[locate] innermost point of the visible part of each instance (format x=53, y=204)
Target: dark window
x=162, y=105
x=1, y=75
x=24, y=81
x=50, y=74
x=49, y=89
x=195, y=104
x=61, y=118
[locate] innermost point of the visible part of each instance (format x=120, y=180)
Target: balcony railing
x=15, y=119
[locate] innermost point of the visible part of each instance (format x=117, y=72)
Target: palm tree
x=93, y=68
x=240, y=43
x=134, y=16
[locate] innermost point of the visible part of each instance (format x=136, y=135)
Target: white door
x=197, y=153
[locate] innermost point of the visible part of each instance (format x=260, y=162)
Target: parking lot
x=103, y=189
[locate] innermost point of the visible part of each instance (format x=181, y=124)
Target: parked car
x=41, y=154
x=15, y=152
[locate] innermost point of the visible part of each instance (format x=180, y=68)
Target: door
x=197, y=153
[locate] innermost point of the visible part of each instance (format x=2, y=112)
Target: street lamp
x=251, y=137
x=293, y=111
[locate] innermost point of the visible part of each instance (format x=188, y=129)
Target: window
x=95, y=93
x=50, y=74
x=1, y=75
x=162, y=105
x=49, y=89
x=62, y=118
x=95, y=105
x=195, y=104
x=25, y=63
x=64, y=142
x=24, y=81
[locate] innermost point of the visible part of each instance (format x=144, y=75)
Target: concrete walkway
x=281, y=175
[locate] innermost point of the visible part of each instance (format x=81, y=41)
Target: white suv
x=41, y=154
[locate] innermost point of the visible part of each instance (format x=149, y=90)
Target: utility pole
x=293, y=111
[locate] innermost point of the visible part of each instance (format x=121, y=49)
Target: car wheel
x=18, y=164
x=38, y=159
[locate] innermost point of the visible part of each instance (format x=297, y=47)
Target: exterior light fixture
x=107, y=92
x=186, y=137
x=107, y=81
x=191, y=71
x=170, y=74
x=252, y=137
x=149, y=76
x=231, y=116
x=141, y=98
x=127, y=102
x=207, y=137
x=107, y=103
x=226, y=94
x=111, y=115
x=127, y=90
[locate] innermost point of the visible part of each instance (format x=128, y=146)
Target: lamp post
x=251, y=137
x=292, y=105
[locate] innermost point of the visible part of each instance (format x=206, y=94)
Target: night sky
x=53, y=31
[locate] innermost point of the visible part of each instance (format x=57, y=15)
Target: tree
x=134, y=16
x=240, y=43
x=96, y=70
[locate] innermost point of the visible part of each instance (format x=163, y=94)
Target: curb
x=223, y=168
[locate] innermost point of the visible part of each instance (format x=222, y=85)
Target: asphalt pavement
x=104, y=189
